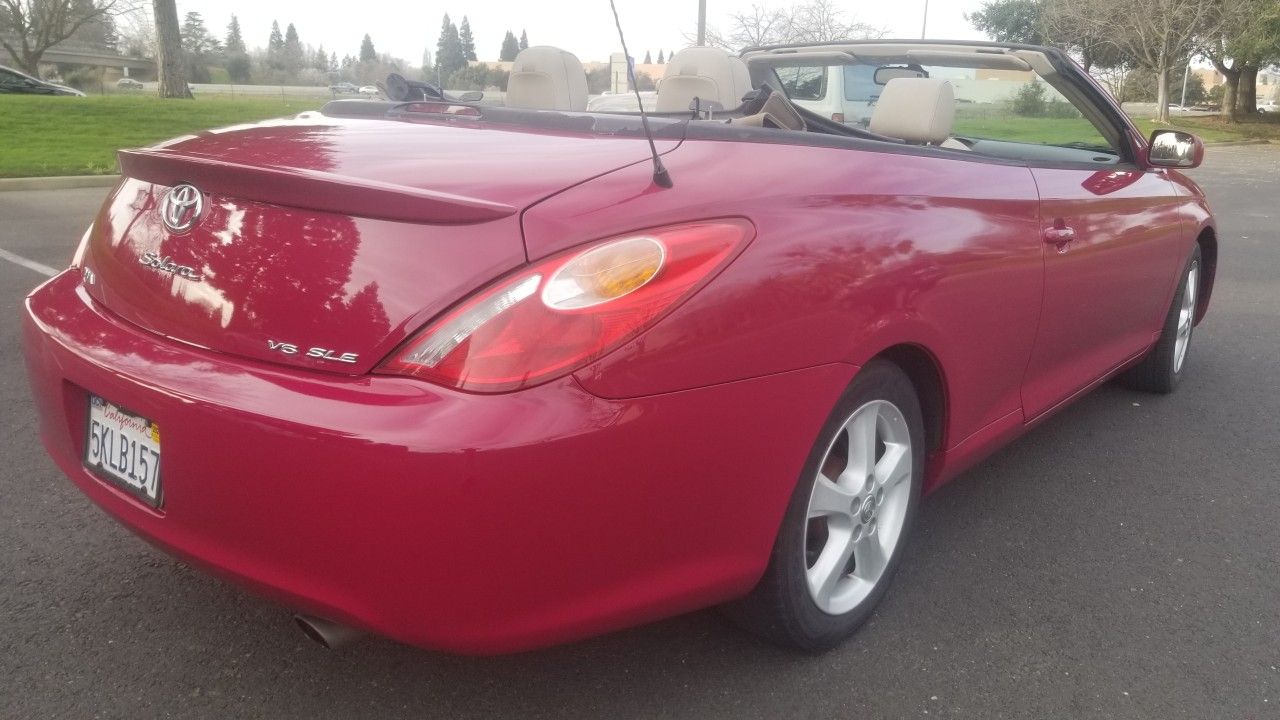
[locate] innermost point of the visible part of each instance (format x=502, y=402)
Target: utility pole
x=702, y=22
x=924, y=24
x=1185, y=74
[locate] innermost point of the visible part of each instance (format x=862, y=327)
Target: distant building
x=1268, y=81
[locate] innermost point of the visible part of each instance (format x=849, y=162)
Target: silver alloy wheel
x=857, y=507
x=1186, y=318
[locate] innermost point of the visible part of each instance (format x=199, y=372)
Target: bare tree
x=173, y=67
x=1151, y=33
x=31, y=27
x=818, y=21
x=812, y=21
x=761, y=25
x=137, y=32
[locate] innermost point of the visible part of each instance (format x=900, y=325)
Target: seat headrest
x=547, y=78
x=707, y=73
x=918, y=110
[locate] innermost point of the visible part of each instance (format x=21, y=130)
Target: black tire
x=780, y=607
x=1159, y=372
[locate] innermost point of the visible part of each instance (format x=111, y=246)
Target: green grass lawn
x=42, y=136
x=1061, y=131
x=1213, y=129
x=1050, y=131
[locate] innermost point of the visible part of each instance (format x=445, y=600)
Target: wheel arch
x=925, y=372
x=1208, y=242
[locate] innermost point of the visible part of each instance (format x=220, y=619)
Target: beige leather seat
x=547, y=78
x=919, y=111
x=707, y=73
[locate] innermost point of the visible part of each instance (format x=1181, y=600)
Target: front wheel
x=848, y=518
x=1162, y=369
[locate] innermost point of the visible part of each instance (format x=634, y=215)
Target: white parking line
x=28, y=264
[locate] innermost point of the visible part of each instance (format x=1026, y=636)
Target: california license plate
x=124, y=449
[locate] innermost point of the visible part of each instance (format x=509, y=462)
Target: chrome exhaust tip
x=329, y=634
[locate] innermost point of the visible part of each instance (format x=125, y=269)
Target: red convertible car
x=486, y=378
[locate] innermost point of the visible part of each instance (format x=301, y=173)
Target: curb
x=1235, y=143
x=64, y=182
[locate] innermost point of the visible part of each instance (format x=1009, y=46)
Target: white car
x=370, y=90
x=1269, y=106
x=623, y=102
x=843, y=93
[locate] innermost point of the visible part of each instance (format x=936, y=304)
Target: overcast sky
x=585, y=27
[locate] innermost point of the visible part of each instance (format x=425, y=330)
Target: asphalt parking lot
x=1121, y=561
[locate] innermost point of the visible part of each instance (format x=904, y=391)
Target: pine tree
x=197, y=47
x=367, y=53
x=276, y=41
x=468, y=42
x=294, y=58
x=237, y=57
x=449, y=55
x=275, y=47
x=510, y=48
x=661, y=61
x=648, y=59
x=321, y=59
x=524, y=40
x=235, y=41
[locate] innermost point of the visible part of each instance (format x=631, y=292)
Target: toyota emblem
x=181, y=207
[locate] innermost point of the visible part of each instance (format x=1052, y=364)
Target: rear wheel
x=1162, y=369
x=846, y=524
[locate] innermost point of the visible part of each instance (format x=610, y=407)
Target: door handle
x=1059, y=234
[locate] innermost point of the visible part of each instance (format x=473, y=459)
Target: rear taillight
x=78, y=258
x=552, y=318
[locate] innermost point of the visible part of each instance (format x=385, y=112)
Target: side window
x=804, y=83
x=1017, y=107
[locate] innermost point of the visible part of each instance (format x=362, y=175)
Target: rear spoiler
x=309, y=189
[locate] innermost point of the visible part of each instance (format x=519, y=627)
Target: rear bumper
x=466, y=523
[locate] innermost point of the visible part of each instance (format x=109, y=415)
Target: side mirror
x=473, y=96
x=1175, y=149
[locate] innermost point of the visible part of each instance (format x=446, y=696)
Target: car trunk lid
x=324, y=243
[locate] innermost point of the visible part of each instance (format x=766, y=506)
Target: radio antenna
x=661, y=177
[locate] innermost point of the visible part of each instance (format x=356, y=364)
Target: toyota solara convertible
x=488, y=377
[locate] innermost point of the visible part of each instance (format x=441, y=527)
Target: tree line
x=1149, y=40
x=456, y=49
x=192, y=52
x=285, y=59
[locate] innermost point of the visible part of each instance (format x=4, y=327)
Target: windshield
x=1001, y=105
